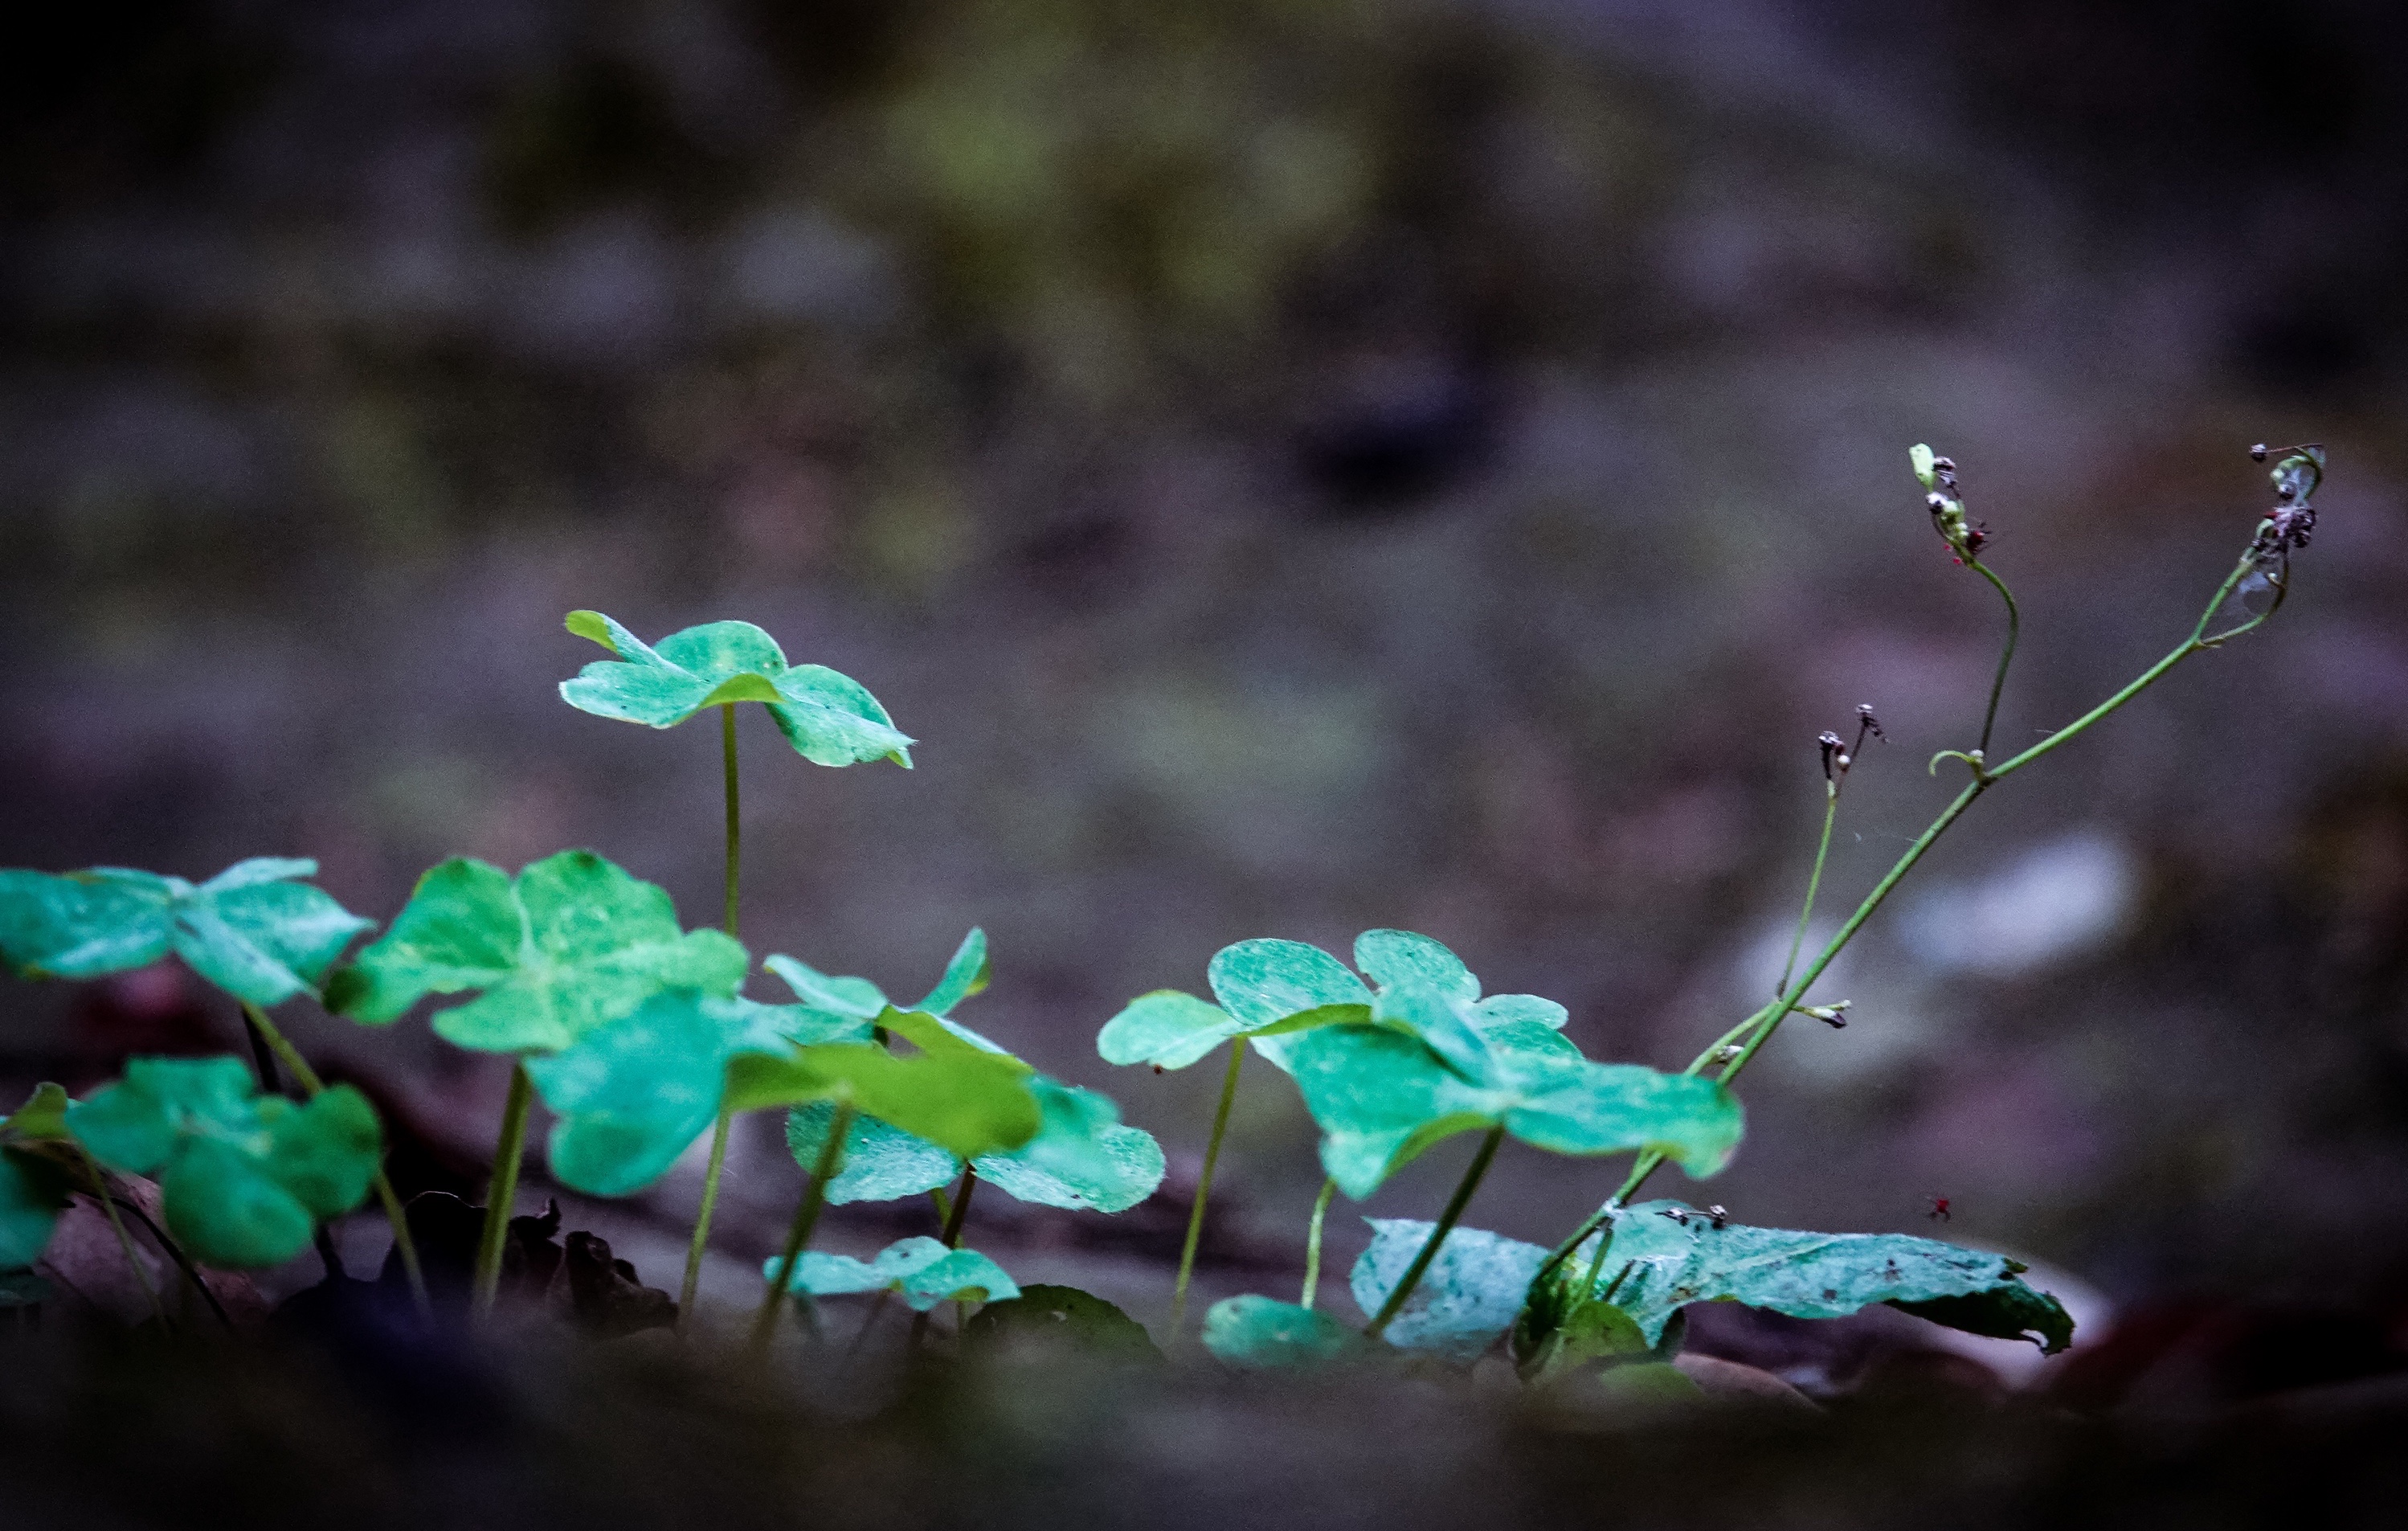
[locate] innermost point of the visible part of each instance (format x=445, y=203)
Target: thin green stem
x=1446, y=1220
x=952, y=1238
x=807, y=1216
x=701, y=1240
x=2006, y=655
x=265, y=1031
x=734, y=840
x=1312, y=1243
x=1759, y=1027
x=124, y=1239
x=1814, y=883
x=1204, y=1184
x=486, y=1281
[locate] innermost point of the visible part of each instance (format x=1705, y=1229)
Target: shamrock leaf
x=1082, y=1156
x=964, y=1097
x=964, y=975
x=1683, y=1258
x=1260, y=1334
x=922, y=1269
x=1272, y=990
x=245, y=1178
x=1469, y=1294
x=830, y=719
x=1383, y=1094
x=572, y=942
x=33, y=1189
x=253, y=930
x=632, y=1092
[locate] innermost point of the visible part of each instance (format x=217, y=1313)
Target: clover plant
x=830, y=719
x=637, y=1033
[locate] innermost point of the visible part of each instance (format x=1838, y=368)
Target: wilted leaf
x=1467, y=1296
x=830, y=719
x=1821, y=1276
x=253, y=930
x=572, y=944
x=922, y=1269
x=245, y=1178
x=1054, y=1316
x=1261, y=1334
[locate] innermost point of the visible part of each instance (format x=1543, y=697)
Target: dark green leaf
x=1051, y=1316
x=24, y=1289
x=1674, y=1261
x=829, y=719
x=1464, y=1301
x=32, y=1192
x=572, y=944
x=922, y=1269
x=245, y=1178
x=1260, y=1334
x=253, y=930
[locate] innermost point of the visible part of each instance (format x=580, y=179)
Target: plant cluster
x=638, y=1037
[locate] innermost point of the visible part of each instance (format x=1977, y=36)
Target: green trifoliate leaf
x=1057, y=1317
x=632, y=1092
x=1382, y=1096
x=245, y=1178
x=830, y=719
x=922, y=1269
x=1391, y=958
x=1678, y=1260
x=253, y=930
x=1465, y=1299
x=882, y=1163
x=1264, y=982
x=1261, y=1334
x=572, y=944
x=1082, y=1158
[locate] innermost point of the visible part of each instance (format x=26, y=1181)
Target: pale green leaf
x=1082, y=1158
x=1674, y=1261
x=965, y=975
x=572, y=944
x=829, y=719
x=1391, y=958
x=1503, y=1009
x=968, y=1102
x=882, y=1163
x=922, y=1270
x=1465, y=1300
x=1260, y=1334
x=1264, y=981
x=1167, y=1029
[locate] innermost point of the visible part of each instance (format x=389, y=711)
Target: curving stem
x=1204, y=1184
x=264, y=1034
x=1312, y=1244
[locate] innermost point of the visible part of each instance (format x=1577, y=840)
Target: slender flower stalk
x=1312, y=1243
x=723, y=1124
x=1204, y=1185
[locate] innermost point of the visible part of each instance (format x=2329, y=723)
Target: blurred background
x=1296, y=467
